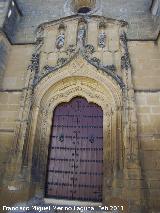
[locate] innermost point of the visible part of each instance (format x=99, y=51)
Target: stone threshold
x=86, y=207
x=71, y=202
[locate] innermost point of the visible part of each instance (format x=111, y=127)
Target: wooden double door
x=76, y=152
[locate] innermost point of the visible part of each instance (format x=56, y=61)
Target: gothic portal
x=79, y=103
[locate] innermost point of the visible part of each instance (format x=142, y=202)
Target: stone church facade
x=108, y=54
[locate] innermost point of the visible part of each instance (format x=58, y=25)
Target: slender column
x=130, y=121
x=132, y=168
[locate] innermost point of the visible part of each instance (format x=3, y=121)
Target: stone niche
x=83, y=7
x=79, y=5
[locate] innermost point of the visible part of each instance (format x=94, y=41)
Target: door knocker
x=61, y=138
x=91, y=139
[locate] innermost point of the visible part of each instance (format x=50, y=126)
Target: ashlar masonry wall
x=145, y=59
x=10, y=96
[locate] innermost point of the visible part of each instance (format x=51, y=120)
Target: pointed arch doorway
x=75, y=160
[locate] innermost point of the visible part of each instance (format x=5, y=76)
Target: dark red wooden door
x=76, y=152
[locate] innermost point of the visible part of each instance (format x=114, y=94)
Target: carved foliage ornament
x=102, y=39
x=61, y=61
x=95, y=61
x=88, y=51
x=39, y=38
x=34, y=66
x=123, y=38
x=71, y=49
x=47, y=69
x=125, y=60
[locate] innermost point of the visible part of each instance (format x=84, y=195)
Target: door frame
x=49, y=150
x=64, y=91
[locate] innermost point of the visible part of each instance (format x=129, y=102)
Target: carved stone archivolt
x=64, y=91
x=61, y=86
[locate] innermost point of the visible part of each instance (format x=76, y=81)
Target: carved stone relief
x=102, y=39
x=34, y=63
x=39, y=39
x=89, y=50
x=125, y=60
x=81, y=35
x=87, y=54
x=86, y=50
x=60, y=40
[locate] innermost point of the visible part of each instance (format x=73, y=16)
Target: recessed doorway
x=75, y=160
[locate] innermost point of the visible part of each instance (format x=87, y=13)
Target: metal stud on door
x=76, y=155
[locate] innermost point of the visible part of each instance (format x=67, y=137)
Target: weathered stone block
x=14, y=98
x=156, y=109
x=152, y=174
x=153, y=99
x=3, y=98
x=143, y=109
x=151, y=160
x=155, y=120
x=150, y=145
x=153, y=184
x=141, y=99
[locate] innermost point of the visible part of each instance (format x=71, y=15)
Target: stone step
x=38, y=205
